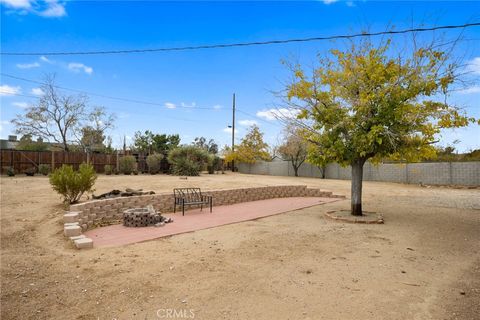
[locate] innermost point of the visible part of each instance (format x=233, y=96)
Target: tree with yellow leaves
x=251, y=149
x=364, y=103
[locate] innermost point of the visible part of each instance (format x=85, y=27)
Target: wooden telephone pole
x=233, y=132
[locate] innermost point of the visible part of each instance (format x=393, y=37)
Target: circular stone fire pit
x=141, y=217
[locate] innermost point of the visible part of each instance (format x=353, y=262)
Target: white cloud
x=247, y=123
x=274, y=114
x=17, y=4
x=28, y=65
x=185, y=105
x=47, y=8
x=21, y=105
x=329, y=1
x=170, y=105
x=229, y=130
x=217, y=107
x=45, y=59
x=78, y=67
x=350, y=4
x=474, y=65
x=3, y=124
x=474, y=89
x=54, y=9
x=37, y=91
x=6, y=90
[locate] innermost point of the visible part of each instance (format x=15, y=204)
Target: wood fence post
x=53, y=160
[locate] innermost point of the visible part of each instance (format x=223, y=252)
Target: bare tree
x=294, y=148
x=58, y=117
x=91, y=135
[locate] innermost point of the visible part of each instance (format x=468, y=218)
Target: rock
x=70, y=216
x=85, y=243
x=72, y=231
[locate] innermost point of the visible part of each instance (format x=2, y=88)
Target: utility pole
x=233, y=132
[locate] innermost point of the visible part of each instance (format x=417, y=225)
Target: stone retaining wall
x=84, y=216
x=96, y=211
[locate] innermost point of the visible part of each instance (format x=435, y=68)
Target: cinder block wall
x=440, y=173
x=96, y=211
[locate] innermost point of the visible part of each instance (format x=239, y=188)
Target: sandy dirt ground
x=423, y=263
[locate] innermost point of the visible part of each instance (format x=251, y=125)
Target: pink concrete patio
x=117, y=235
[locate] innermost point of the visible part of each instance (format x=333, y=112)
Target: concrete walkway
x=117, y=235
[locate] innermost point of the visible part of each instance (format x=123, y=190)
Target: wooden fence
x=22, y=160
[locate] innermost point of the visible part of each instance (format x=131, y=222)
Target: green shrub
x=210, y=164
x=153, y=162
x=44, y=169
x=73, y=184
x=10, y=171
x=188, y=160
x=127, y=164
x=214, y=164
x=108, y=169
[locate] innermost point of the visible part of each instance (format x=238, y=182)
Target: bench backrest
x=189, y=194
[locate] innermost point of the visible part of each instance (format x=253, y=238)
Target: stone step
x=84, y=243
x=71, y=216
x=72, y=231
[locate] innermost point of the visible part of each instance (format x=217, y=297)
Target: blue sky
x=181, y=82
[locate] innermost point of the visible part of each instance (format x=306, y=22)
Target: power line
x=105, y=96
x=243, y=44
x=163, y=116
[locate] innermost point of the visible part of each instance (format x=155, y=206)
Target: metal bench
x=190, y=197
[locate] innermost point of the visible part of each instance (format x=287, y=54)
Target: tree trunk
x=322, y=171
x=357, y=178
x=295, y=170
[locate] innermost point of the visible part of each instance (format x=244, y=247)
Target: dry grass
x=295, y=265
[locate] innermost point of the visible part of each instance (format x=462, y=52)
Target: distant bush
x=153, y=162
x=127, y=164
x=211, y=164
x=30, y=171
x=71, y=184
x=10, y=171
x=188, y=160
x=108, y=169
x=44, y=169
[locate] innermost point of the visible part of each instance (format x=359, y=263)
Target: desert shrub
x=10, y=171
x=71, y=184
x=44, y=169
x=30, y=171
x=188, y=160
x=127, y=164
x=153, y=162
x=211, y=164
x=108, y=169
